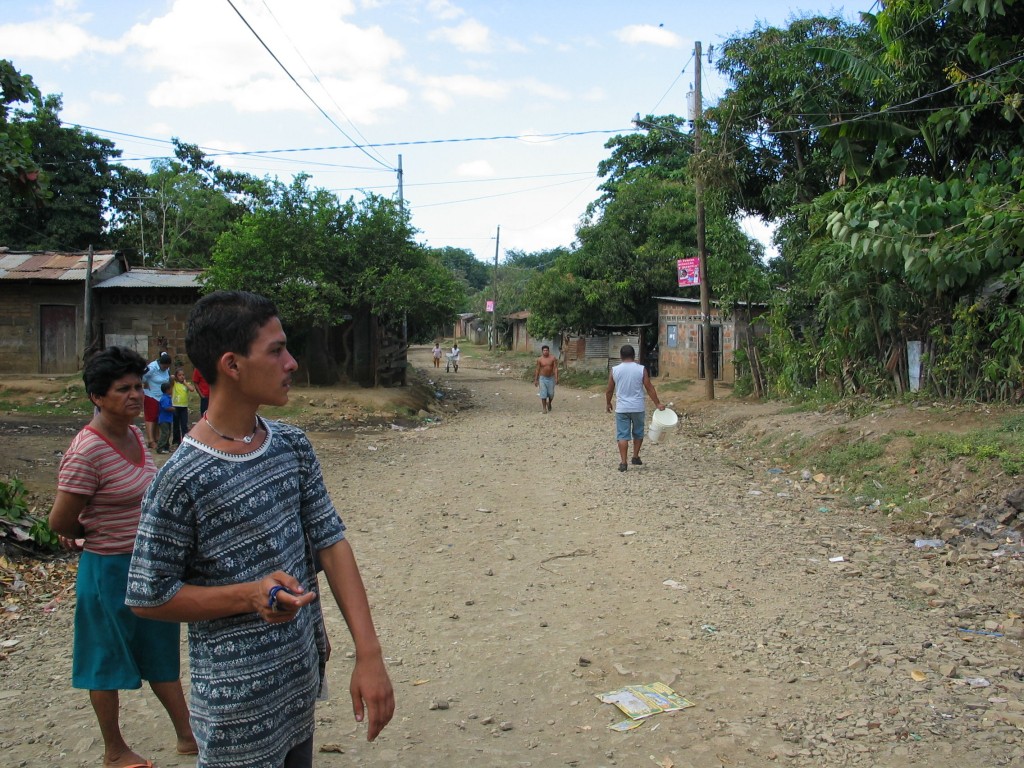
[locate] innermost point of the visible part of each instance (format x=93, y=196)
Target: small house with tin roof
x=147, y=310
x=681, y=338
x=54, y=310
x=43, y=307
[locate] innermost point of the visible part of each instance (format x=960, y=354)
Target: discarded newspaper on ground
x=642, y=701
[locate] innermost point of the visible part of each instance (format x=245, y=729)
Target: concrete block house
x=681, y=343
x=51, y=309
x=42, y=308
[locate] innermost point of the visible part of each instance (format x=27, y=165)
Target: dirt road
x=515, y=574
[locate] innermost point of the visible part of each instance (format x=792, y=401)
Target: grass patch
x=48, y=407
x=848, y=459
x=1013, y=424
x=59, y=396
x=673, y=385
x=580, y=379
x=1005, y=448
x=863, y=468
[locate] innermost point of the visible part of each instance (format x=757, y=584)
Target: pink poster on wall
x=490, y=306
x=689, y=272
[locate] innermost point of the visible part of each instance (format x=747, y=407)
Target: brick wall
x=682, y=361
x=148, y=320
x=19, y=320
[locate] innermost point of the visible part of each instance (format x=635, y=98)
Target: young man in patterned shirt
x=232, y=531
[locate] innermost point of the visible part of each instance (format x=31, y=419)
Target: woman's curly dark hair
x=106, y=367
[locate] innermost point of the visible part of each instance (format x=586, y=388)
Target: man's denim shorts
x=626, y=423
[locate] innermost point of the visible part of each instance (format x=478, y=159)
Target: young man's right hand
x=279, y=605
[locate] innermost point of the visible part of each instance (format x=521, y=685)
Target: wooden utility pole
x=90, y=339
x=705, y=289
x=493, y=339
x=405, y=315
x=401, y=186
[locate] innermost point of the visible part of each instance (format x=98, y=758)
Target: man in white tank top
x=627, y=381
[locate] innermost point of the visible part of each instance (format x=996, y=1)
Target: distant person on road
x=157, y=372
x=545, y=377
x=453, y=358
x=232, y=529
x=437, y=354
x=627, y=381
x=102, y=478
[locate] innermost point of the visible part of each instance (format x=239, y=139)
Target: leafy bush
x=17, y=522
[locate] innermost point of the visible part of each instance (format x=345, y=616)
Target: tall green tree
x=172, y=216
x=322, y=260
x=633, y=234
x=911, y=210
x=78, y=169
x=770, y=120
x=18, y=168
x=465, y=266
x=286, y=249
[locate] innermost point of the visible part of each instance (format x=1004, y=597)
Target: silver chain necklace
x=247, y=439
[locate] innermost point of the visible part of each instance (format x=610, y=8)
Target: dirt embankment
x=515, y=574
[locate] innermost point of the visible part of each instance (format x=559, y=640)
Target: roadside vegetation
x=907, y=473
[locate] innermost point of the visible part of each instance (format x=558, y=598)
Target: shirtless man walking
x=546, y=377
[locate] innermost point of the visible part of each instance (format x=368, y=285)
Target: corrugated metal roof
x=681, y=300
x=154, y=278
x=50, y=265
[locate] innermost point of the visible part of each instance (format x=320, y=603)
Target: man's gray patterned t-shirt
x=211, y=519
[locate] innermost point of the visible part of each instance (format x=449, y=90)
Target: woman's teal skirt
x=114, y=648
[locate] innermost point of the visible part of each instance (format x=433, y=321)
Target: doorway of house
x=716, y=353
x=58, y=339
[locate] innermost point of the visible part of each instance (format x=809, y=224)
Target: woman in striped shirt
x=100, y=485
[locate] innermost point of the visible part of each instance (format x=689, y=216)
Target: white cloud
x=107, y=98
x=442, y=91
x=444, y=10
x=51, y=40
x=646, y=34
x=207, y=55
x=475, y=169
x=470, y=36
x=544, y=90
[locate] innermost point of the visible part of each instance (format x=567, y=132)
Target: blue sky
x=423, y=77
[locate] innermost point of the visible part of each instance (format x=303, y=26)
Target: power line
x=526, y=138
x=318, y=81
x=673, y=85
x=212, y=151
x=553, y=215
x=898, y=107
x=802, y=95
x=305, y=93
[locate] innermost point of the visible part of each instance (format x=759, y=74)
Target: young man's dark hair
x=105, y=368
x=627, y=352
x=238, y=316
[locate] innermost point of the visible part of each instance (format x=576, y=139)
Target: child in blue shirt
x=166, y=418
